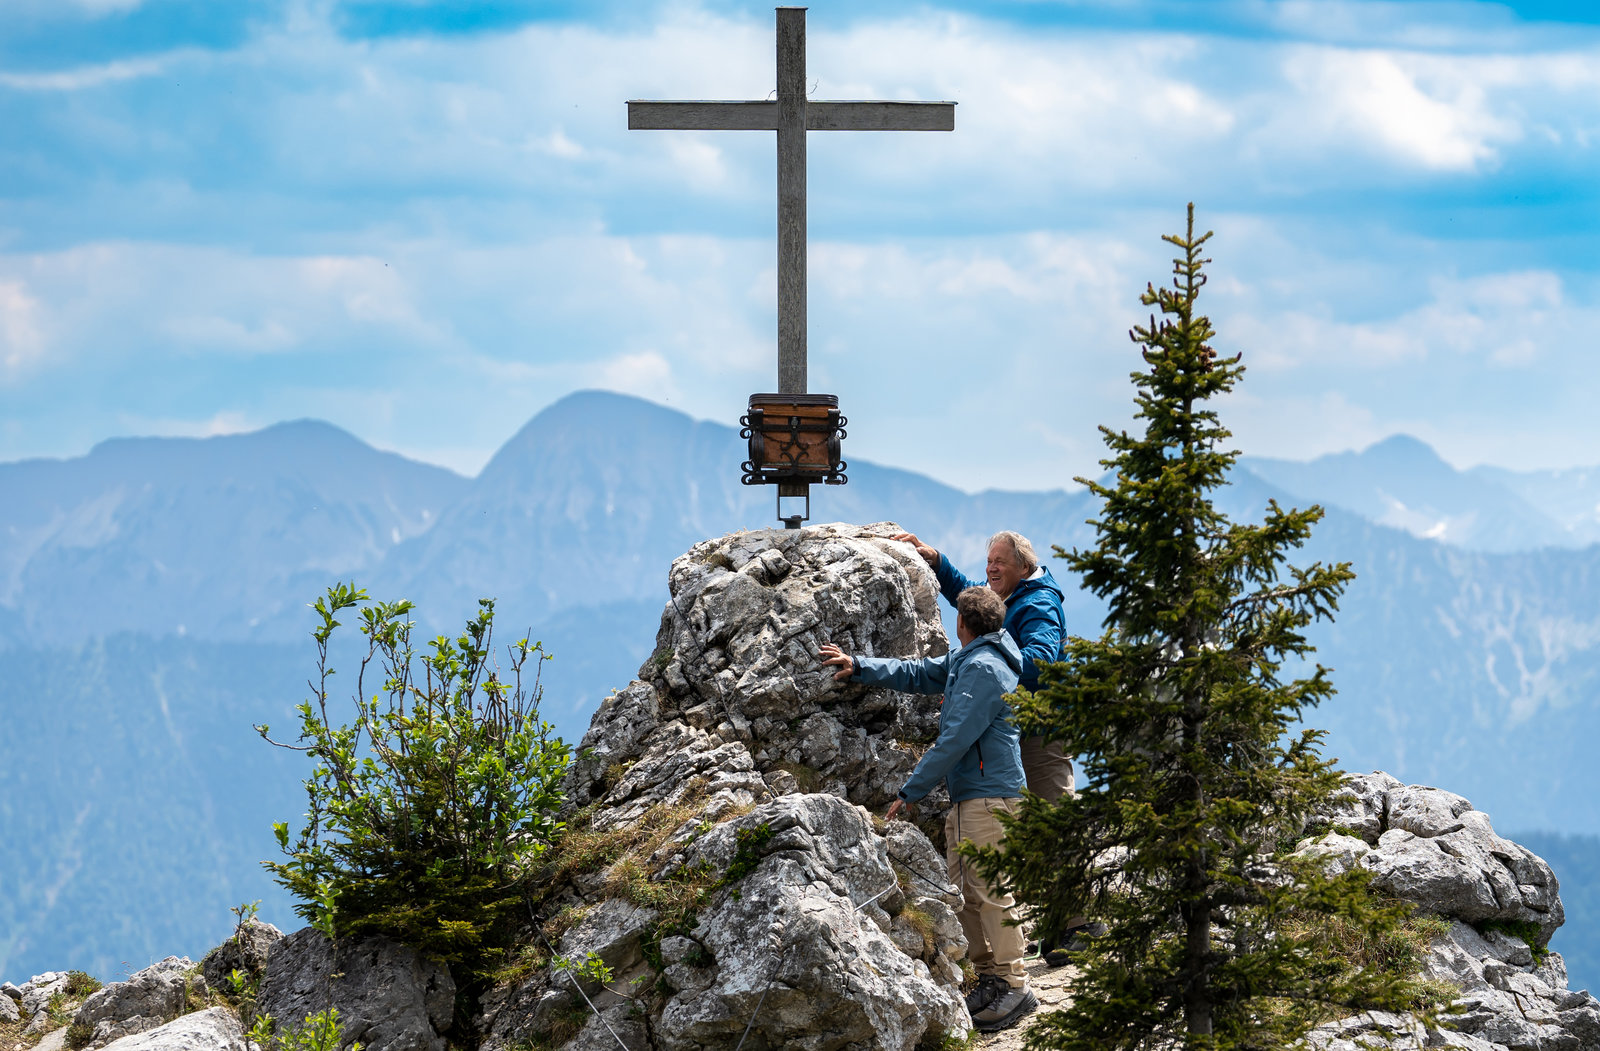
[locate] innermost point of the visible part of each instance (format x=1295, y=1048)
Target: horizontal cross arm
x=880, y=116
x=763, y=116
x=702, y=116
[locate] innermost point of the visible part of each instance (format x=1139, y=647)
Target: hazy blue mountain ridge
x=222, y=537
x=136, y=799
x=1570, y=497
x=1469, y=669
x=1401, y=482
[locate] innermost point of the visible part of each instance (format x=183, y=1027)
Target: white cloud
x=120, y=301
x=1507, y=319
x=83, y=77
x=1299, y=426
x=647, y=374
x=558, y=145
x=209, y=332
x=22, y=340
x=1423, y=110
x=700, y=163
x=225, y=422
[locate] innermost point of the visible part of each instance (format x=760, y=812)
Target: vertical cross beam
x=791, y=200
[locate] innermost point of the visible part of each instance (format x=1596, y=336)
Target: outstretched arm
x=916, y=676
x=951, y=581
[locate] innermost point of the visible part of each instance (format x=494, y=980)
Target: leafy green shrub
x=425, y=810
x=319, y=1032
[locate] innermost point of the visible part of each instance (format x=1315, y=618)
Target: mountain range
x=153, y=606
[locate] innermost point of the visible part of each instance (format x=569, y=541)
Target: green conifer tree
x=1195, y=785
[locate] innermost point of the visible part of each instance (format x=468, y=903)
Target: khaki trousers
x=994, y=946
x=1049, y=772
x=1047, y=767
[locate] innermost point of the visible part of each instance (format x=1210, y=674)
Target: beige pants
x=994, y=946
x=1049, y=772
x=1047, y=767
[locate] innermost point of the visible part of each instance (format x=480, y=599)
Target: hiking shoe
x=1072, y=942
x=1012, y=1005
x=989, y=988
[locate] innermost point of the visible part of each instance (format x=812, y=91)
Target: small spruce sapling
x=1195, y=779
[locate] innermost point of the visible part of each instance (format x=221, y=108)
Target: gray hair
x=1021, y=550
x=981, y=609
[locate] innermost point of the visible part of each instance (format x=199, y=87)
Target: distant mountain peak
x=594, y=419
x=299, y=431
x=1404, y=449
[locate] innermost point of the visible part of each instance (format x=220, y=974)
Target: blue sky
x=426, y=221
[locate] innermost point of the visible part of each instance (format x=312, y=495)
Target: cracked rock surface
x=820, y=927
x=1428, y=846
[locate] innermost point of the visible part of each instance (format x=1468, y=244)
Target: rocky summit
x=815, y=925
x=724, y=880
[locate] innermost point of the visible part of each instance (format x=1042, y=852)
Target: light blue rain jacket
x=978, y=752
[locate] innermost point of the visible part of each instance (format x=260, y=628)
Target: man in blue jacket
x=978, y=757
x=1034, y=618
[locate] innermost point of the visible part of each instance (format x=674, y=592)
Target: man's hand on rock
x=894, y=809
x=834, y=657
x=929, y=555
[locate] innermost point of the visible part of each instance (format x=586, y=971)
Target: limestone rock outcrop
x=389, y=997
x=214, y=1029
x=734, y=685
x=34, y=996
x=149, y=999
x=817, y=925
x=245, y=951
x=1429, y=847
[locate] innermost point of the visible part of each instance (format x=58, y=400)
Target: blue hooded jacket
x=978, y=752
x=1034, y=617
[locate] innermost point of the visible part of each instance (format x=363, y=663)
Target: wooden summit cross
x=791, y=115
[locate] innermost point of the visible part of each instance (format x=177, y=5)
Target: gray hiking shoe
x=1012, y=1005
x=1072, y=942
x=988, y=989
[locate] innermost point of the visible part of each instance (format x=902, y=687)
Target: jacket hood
x=1000, y=641
x=1042, y=579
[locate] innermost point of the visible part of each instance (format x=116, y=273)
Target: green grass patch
x=1525, y=931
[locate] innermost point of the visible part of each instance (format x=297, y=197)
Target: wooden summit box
x=794, y=438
